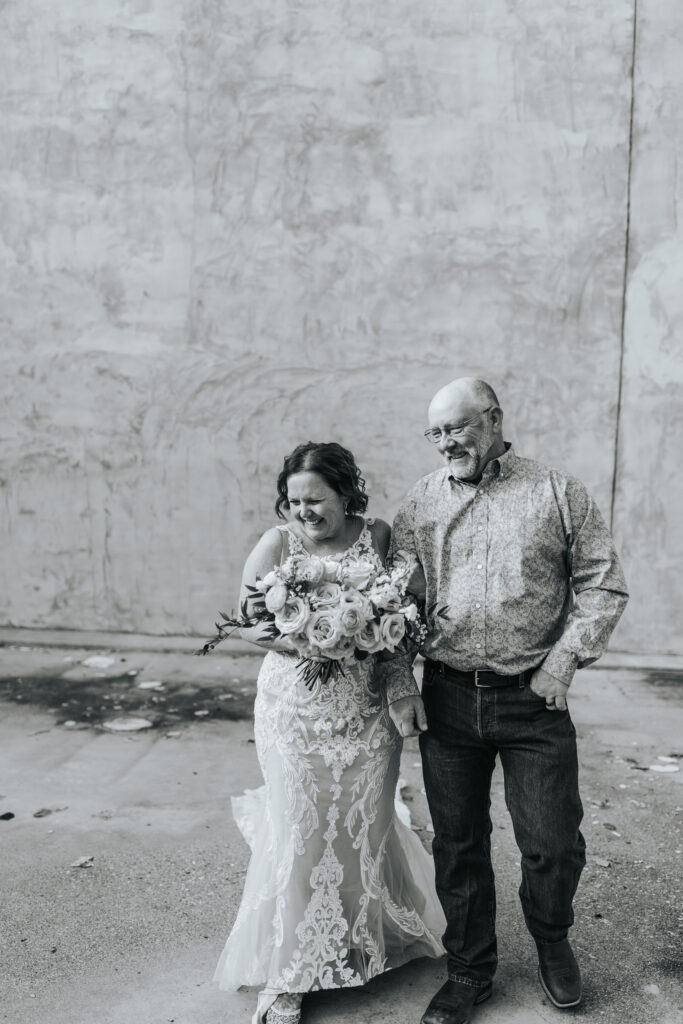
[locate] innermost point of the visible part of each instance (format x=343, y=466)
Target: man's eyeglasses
x=436, y=435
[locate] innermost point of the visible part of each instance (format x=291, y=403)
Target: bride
x=338, y=889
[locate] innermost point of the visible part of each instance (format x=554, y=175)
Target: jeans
x=467, y=728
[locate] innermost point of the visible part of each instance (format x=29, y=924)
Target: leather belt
x=482, y=678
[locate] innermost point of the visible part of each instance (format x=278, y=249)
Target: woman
x=338, y=890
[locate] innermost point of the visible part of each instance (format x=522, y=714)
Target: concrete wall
x=227, y=227
x=648, y=506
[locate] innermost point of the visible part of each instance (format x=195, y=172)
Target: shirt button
x=479, y=565
x=477, y=646
x=477, y=605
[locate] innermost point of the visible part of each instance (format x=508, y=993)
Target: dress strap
x=291, y=543
x=365, y=542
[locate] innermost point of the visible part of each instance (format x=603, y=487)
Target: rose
x=357, y=574
x=323, y=629
x=331, y=570
x=352, y=598
x=351, y=618
x=313, y=570
x=326, y=595
x=269, y=580
x=293, y=617
x=350, y=595
x=392, y=630
x=368, y=638
x=276, y=597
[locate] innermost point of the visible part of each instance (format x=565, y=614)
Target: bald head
x=464, y=392
x=466, y=423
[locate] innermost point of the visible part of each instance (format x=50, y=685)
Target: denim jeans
x=467, y=728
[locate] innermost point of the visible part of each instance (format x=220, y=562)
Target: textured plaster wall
x=649, y=494
x=227, y=227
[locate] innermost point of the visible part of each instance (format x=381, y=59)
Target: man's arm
x=599, y=591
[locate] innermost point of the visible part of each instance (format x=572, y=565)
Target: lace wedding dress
x=338, y=889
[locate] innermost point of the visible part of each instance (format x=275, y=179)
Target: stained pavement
x=133, y=939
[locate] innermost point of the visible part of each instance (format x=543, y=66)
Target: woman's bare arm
x=262, y=560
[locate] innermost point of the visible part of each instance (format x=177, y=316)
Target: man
x=523, y=586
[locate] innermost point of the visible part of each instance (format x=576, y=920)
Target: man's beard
x=467, y=466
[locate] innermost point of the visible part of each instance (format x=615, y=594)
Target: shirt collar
x=500, y=466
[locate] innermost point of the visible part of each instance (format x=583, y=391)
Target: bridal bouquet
x=330, y=612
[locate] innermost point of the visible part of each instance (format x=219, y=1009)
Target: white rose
x=269, y=580
x=293, y=617
x=352, y=598
x=326, y=595
x=392, y=630
x=358, y=574
x=369, y=639
x=313, y=570
x=331, y=570
x=276, y=597
x=351, y=618
x=323, y=629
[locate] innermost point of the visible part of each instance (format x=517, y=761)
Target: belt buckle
x=481, y=686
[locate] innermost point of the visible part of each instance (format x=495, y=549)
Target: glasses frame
x=429, y=434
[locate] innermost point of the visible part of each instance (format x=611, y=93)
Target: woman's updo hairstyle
x=337, y=467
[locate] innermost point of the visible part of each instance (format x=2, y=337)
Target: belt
x=482, y=678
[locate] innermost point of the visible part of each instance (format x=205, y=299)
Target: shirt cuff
x=397, y=680
x=560, y=664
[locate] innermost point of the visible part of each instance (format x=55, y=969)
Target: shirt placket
x=478, y=591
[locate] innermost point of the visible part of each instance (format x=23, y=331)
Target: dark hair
x=336, y=465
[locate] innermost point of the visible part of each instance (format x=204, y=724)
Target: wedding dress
x=338, y=889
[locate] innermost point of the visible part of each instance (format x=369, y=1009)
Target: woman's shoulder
x=272, y=540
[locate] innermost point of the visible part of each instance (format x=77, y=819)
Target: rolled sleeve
x=394, y=672
x=598, y=586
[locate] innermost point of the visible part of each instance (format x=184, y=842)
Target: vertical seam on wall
x=627, y=241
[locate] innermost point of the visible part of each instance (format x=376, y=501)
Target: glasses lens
x=433, y=435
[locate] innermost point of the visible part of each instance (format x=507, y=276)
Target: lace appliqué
x=320, y=960
x=328, y=755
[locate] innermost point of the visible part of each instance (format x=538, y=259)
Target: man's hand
x=553, y=690
x=408, y=715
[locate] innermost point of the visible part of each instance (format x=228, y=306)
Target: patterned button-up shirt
x=523, y=563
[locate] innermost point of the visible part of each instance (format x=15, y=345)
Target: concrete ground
x=133, y=938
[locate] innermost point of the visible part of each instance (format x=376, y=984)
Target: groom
x=519, y=557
